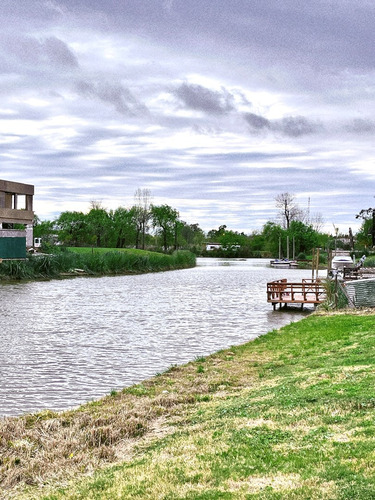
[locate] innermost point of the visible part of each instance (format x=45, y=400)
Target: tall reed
x=93, y=263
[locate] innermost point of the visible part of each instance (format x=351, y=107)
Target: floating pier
x=309, y=291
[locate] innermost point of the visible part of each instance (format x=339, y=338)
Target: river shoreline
x=280, y=390
x=68, y=263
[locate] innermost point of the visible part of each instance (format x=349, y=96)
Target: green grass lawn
x=287, y=416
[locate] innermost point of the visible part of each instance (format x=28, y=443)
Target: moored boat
x=283, y=263
x=341, y=261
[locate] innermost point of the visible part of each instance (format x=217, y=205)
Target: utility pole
x=308, y=211
x=336, y=234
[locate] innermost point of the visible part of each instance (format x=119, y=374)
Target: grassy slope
x=89, y=250
x=290, y=415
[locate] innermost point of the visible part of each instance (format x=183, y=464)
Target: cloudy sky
x=216, y=106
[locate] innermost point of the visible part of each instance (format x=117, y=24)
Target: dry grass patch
x=257, y=484
x=364, y=311
x=45, y=446
x=258, y=422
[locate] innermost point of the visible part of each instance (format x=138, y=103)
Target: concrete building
x=16, y=207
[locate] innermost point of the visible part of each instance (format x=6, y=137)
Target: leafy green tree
x=305, y=237
x=366, y=234
x=192, y=235
x=164, y=220
x=271, y=234
x=214, y=235
x=98, y=226
x=256, y=243
x=42, y=229
x=46, y=231
x=124, y=227
x=232, y=241
x=72, y=227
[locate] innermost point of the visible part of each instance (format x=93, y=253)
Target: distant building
x=210, y=247
x=16, y=207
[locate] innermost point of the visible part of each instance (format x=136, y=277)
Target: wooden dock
x=307, y=292
x=358, y=273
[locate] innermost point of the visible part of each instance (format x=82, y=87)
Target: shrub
x=370, y=261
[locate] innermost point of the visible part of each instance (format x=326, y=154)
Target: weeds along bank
x=93, y=263
x=289, y=415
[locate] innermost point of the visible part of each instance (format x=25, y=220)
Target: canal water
x=66, y=342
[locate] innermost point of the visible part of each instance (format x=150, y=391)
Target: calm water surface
x=66, y=342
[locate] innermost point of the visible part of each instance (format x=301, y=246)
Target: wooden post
x=294, y=248
x=313, y=264
x=336, y=292
x=329, y=264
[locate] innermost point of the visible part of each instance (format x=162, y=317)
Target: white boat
x=341, y=261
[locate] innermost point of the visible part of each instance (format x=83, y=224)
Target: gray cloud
x=361, y=126
x=296, y=126
x=202, y=99
x=113, y=93
x=290, y=126
x=28, y=50
x=257, y=122
x=58, y=52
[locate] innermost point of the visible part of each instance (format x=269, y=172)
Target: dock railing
x=308, y=291
x=358, y=273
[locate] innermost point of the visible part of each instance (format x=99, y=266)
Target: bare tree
x=317, y=221
x=288, y=209
x=142, y=205
x=96, y=205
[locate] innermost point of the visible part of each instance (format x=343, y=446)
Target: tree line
x=159, y=227
x=144, y=225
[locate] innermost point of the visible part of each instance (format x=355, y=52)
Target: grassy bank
x=93, y=262
x=288, y=416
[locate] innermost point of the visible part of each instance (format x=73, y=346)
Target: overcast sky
x=216, y=106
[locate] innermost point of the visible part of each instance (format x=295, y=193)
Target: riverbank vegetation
x=289, y=415
x=93, y=262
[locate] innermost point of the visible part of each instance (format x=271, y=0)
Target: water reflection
x=66, y=342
